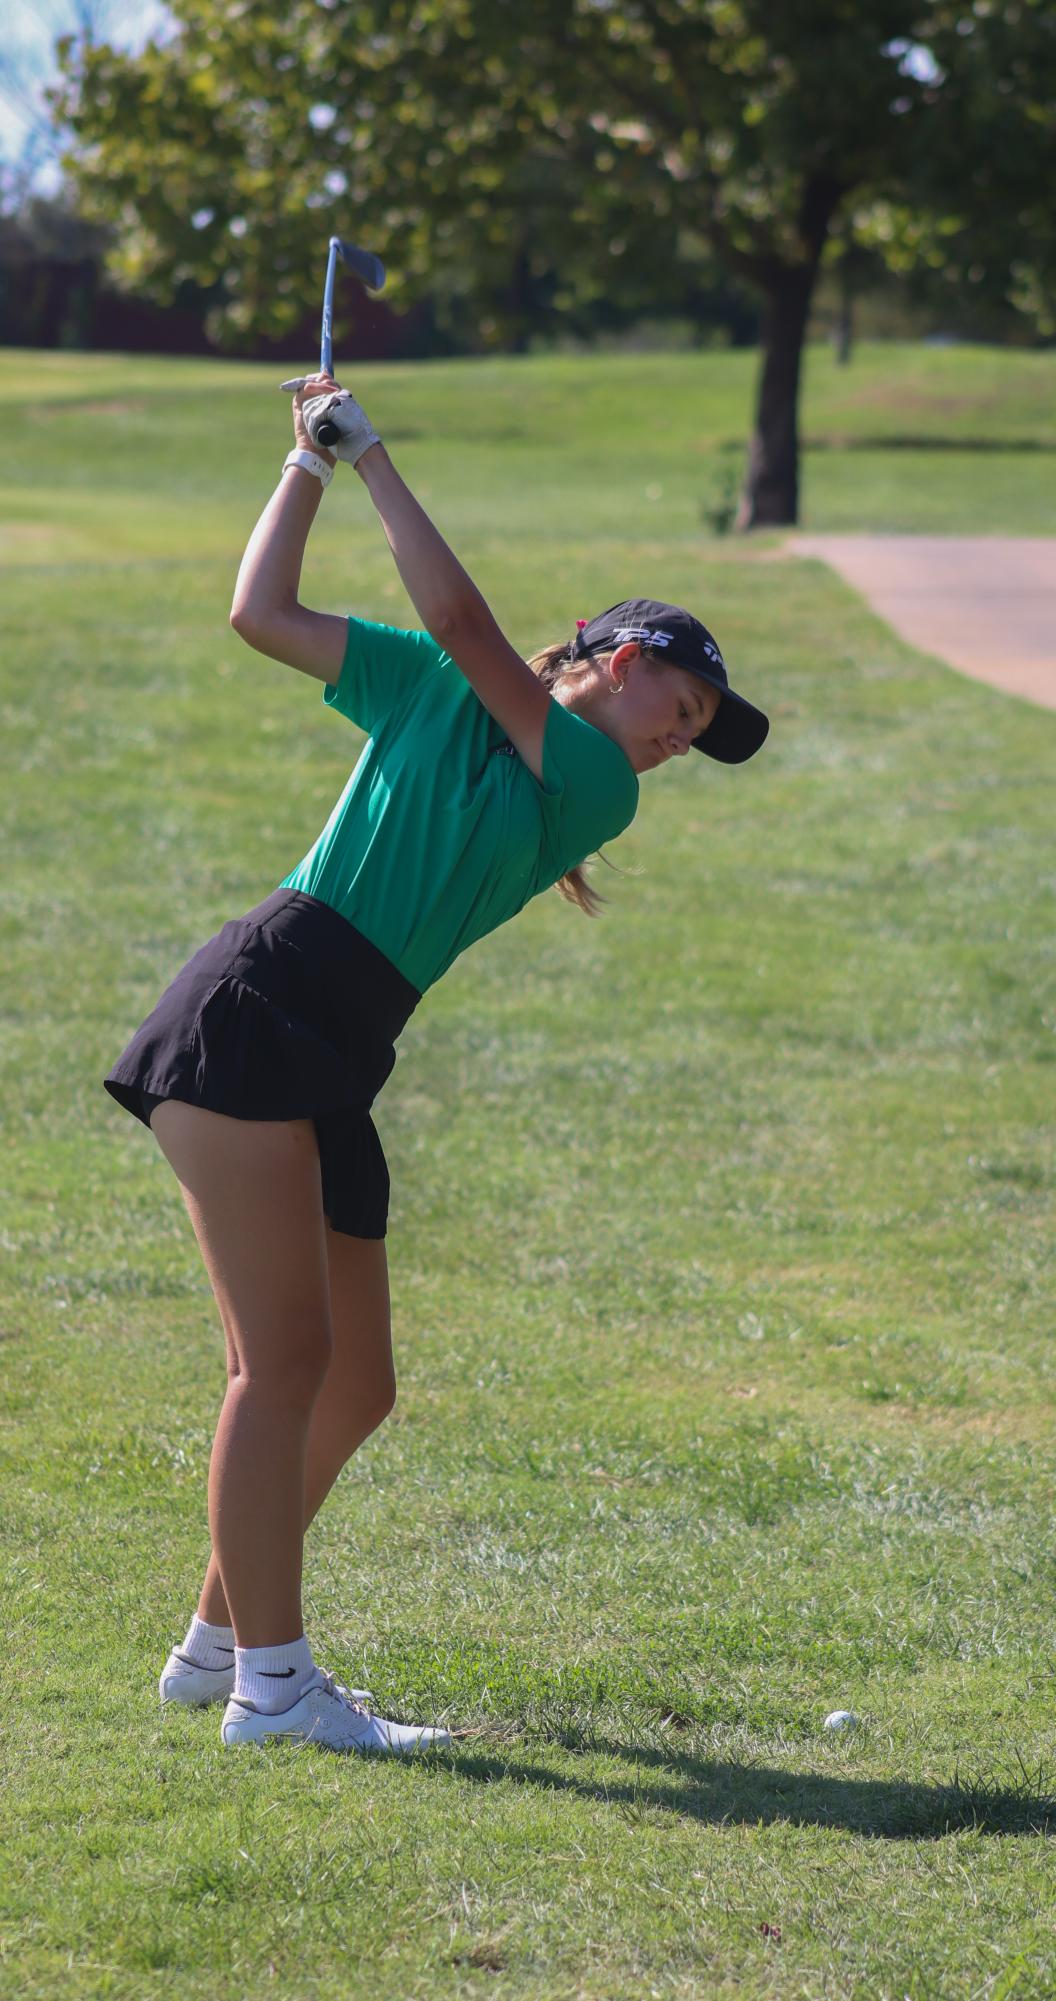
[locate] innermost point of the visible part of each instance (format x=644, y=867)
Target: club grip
x=327, y=434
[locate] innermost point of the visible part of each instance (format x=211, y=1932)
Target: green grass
x=720, y=1240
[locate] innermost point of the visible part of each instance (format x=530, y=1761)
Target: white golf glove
x=357, y=431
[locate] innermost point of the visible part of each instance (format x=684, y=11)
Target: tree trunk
x=844, y=328
x=771, y=492
x=843, y=334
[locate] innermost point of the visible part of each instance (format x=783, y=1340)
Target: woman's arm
x=454, y=612
x=266, y=611
x=439, y=588
x=269, y=576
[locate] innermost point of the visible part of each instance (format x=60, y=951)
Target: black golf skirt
x=287, y=1013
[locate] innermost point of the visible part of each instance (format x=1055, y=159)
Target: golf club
x=372, y=271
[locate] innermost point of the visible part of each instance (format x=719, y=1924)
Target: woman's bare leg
x=358, y=1391
x=254, y=1195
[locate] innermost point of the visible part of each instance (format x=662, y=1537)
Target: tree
x=531, y=161
x=926, y=129
x=214, y=152
x=973, y=209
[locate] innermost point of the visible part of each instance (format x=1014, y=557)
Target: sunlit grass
x=720, y=1243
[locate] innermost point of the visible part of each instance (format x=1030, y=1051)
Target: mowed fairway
x=720, y=1243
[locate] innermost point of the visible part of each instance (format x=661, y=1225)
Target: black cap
x=666, y=632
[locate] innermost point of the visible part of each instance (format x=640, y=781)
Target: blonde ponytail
x=553, y=664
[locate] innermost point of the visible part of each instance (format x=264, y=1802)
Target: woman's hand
x=318, y=399
x=338, y=407
x=312, y=385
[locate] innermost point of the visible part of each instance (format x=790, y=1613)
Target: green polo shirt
x=442, y=832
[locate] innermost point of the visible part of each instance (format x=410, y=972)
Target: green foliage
x=521, y=167
x=974, y=205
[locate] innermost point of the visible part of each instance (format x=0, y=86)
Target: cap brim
x=735, y=732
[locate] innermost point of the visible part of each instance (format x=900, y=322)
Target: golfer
x=485, y=780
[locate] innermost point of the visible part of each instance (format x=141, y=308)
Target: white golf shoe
x=327, y=1713
x=182, y=1680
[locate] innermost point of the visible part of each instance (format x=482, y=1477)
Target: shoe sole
x=253, y=1727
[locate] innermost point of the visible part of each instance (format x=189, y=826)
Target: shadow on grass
x=715, y=1792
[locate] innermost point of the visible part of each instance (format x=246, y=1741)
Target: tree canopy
x=526, y=161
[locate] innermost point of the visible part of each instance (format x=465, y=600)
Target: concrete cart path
x=986, y=604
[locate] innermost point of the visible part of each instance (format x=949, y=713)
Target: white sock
x=209, y=1646
x=274, y=1678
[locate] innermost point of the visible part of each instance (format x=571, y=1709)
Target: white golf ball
x=840, y=1719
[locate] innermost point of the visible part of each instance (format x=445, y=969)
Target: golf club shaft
x=372, y=272
x=328, y=434
x=326, y=351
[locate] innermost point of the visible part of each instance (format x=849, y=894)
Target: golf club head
x=363, y=262
x=372, y=271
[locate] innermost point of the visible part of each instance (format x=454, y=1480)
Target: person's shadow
x=714, y=1792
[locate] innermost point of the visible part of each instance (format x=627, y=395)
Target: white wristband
x=311, y=463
